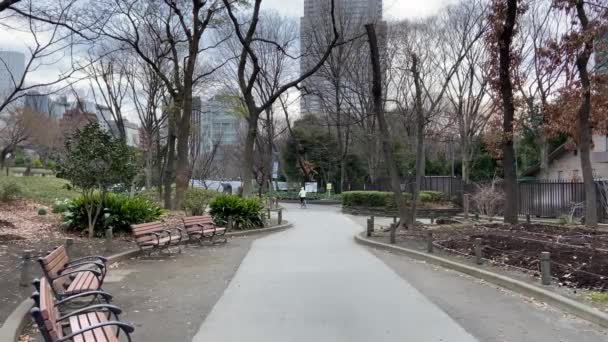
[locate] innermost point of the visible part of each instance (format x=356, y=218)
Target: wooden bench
x=91, y=324
x=202, y=228
x=155, y=236
x=67, y=277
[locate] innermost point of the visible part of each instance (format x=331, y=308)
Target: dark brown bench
x=155, y=236
x=69, y=278
x=96, y=323
x=201, y=228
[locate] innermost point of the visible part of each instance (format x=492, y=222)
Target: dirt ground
x=579, y=255
x=21, y=228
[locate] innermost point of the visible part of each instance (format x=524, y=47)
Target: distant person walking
x=302, y=195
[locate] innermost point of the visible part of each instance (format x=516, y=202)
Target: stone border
x=15, y=322
x=249, y=232
x=566, y=304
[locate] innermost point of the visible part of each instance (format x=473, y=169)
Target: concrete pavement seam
x=578, y=309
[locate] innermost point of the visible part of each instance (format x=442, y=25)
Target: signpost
x=329, y=188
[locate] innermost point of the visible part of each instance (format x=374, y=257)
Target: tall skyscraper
x=316, y=31
x=12, y=67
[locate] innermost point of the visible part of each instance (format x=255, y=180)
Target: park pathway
x=313, y=283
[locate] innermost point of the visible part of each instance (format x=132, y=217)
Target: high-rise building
x=39, y=103
x=219, y=124
x=12, y=67
x=316, y=31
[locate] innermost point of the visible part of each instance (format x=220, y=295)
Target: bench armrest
x=127, y=328
x=99, y=258
x=104, y=294
x=62, y=275
x=156, y=235
x=93, y=308
x=76, y=265
x=179, y=230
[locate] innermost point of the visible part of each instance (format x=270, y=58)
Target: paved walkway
x=312, y=283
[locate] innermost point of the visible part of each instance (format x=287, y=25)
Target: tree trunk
x=543, y=145
x=466, y=161
x=183, y=167
x=252, y=133
x=168, y=177
x=387, y=147
x=419, y=139
x=270, y=147
x=506, y=90
x=584, y=126
x=148, y=169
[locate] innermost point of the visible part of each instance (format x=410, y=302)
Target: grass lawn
x=40, y=189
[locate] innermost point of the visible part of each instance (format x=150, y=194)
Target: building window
x=560, y=176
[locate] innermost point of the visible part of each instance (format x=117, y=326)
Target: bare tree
x=175, y=30
x=541, y=26
x=431, y=68
x=109, y=86
x=503, y=28
x=469, y=105
x=250, y=70
x=52, y=43
x=387, y=147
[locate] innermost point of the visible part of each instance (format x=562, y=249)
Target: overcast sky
x=393, y=9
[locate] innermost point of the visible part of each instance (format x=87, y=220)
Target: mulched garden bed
x=21, y=228
x=579, y=255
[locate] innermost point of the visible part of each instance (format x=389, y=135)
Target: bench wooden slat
x=48, y=311
x=75, y=326
x=99, y=333
x=85, y=281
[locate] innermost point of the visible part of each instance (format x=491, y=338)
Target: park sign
x=311, y=187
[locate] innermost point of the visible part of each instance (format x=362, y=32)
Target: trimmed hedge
x=378, y=199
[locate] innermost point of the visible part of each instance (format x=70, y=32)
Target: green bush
x=245, y=213
x=10, y=192
x=41, y=211
x=367, y=198
x=431, y=197
x=119, y=212
x=196, y=200
x=377, y=199
x=61, y=206
x=37, y=164
x=51, y=164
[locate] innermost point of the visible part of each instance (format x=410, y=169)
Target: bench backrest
x=193, y=222
x=53, y=263
x=47, y=314
x=142, y=232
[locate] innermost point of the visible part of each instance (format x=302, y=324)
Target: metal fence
x=553, y=199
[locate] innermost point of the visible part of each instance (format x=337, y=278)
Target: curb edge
x=573, y=307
